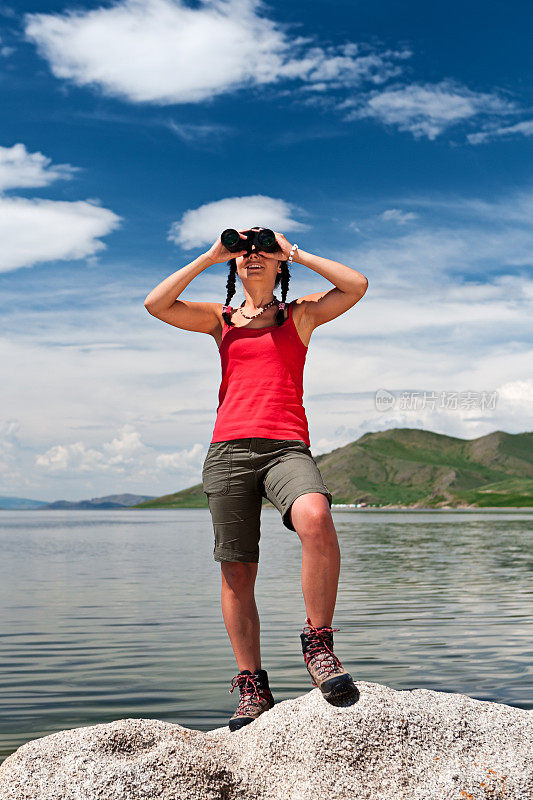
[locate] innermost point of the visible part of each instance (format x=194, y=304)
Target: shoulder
x=218, y=330
x=297, y=306
x=302, y=320
x=300, y=310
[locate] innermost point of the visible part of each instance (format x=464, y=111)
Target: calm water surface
x=114, y=614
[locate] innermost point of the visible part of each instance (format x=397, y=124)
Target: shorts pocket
x=216, y=471
x=297, y=445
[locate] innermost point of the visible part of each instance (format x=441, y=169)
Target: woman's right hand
x=218, y=253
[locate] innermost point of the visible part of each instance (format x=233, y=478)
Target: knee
x=238, y=575
x=312, y=519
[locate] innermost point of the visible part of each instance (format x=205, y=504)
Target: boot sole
x=237, y=724
x=338, y=691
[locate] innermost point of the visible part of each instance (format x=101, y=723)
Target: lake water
x=114, y=614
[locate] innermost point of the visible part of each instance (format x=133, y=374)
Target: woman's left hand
x=284, y=249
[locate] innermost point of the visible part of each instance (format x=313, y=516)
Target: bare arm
x=162, y=301
x=350, y=286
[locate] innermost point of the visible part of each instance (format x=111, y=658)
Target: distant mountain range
x=415, y=468
x=405, y=467
x=20, y=504
x=111, y=501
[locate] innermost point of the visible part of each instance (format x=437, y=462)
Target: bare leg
x=311, y=517
x=240, y=612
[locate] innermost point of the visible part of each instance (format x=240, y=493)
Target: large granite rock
x=390, y=745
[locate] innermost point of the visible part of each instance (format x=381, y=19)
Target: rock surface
x=390, y=745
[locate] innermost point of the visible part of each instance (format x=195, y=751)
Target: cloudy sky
x=392, y=137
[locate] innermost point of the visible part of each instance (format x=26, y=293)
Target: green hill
x=412, y=467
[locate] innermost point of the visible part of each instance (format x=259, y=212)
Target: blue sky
x=395, y=138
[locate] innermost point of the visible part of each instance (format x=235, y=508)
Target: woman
x=260, y=448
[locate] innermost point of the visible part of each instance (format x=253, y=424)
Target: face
x=257, y=267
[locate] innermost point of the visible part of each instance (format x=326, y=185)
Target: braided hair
x=282, y=277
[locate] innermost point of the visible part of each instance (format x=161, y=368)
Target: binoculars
x=264, y=239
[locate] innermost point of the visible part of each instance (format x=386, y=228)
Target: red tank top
x=261, y=392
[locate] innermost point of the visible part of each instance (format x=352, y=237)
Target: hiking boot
x=256, y=697
x=325, y=669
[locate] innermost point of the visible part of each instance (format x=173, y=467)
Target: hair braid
x=230, y=286
x=284, y=278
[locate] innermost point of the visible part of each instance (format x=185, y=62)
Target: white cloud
x=164, y=51
x=202, y=134
x=396, y=215
x=194, y=133
x=182, y=460
x=123, y=458
x=125, y=450
x=201, y=226
x=37, y=230
x=524, y=128
x=33, y=231
x=20, y=169
x=518, y=393
x=425, y=109
x=346, y=66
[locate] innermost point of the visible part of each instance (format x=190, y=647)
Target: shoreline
x=334, y=507
x=426, y=509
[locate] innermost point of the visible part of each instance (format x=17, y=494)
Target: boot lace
x=318, y=649
x=248, y=687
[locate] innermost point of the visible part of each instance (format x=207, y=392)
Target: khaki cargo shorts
x=238, y=473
